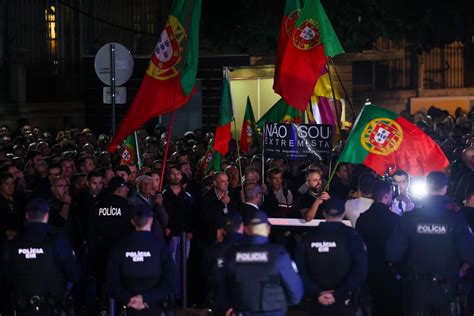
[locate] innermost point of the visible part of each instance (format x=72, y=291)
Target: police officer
x=435, y=243
x=40, y=266
x=108, y=223
x=229, y=232
x=141, y=272
x=332, y=261
x=260, y=278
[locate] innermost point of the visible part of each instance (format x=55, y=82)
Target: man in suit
x=215, y=203
x=253, y=195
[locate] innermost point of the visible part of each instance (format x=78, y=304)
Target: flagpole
x=238, y=150
x=338, y=118
x=170, y=125
x=235, y=124
x=139, y=158
x=326, y=187
x=344, y=89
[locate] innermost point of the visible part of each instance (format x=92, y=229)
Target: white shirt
x=355, y=207
x=405, y=208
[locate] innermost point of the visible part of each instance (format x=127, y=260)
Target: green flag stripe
x=332, y=46
x=225, y=111
x=277, y=112
x=354, y=152
x=292, y=5
x=314, y=11
x=181, y=9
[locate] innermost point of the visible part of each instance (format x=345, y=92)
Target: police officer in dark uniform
x=260, y=277
x=40, y=266
x=435, y=243
x=229, y=232
x=109, y=222
x=141, y=273
x=332, y=261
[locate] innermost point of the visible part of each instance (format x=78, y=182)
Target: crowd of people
x=75, y=222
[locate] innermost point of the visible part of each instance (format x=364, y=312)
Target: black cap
x=142, y=211
x=116, y=182
x=334, y=206
x=255, y=218
x=229, y=222
x=37, y=206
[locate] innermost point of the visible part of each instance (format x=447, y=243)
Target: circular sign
x=123, y=64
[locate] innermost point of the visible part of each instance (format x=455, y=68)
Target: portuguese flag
x=381, y=139
x=164, y=87
x=290, y=15
x=249, y=135
x=311, y=40
x=280, y=112
x=223, y=134
x=208, y=162
x=130, y=151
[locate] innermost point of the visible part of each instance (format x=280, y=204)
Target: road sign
x=123, y=64
x=120, y=95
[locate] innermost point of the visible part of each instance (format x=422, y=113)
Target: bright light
x=418, y=187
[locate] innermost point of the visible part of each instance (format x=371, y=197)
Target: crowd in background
x=72, y=169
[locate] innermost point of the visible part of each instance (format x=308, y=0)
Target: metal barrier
x=300, y=222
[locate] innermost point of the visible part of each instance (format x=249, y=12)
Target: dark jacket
x=213, y=267
x=109, y=222
x=141, y=264
x=211, y=209
x=265, y=283
x=346, y=276
x=179, y=208
x=376, y=225
x=434, y=241
x=39, y=262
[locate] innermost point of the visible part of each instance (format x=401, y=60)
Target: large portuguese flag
x=310, y=41
x=171, y=74
x=381, y=139
x=290, y=15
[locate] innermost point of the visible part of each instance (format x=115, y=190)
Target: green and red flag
x=290, y=15
x=207, y=162
x=311, y=41
x=170, y=78
x=215, y=162
x=129, y=154
x=223, y=133
x=280, y=112
x=248, y=134
x=381, y=139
